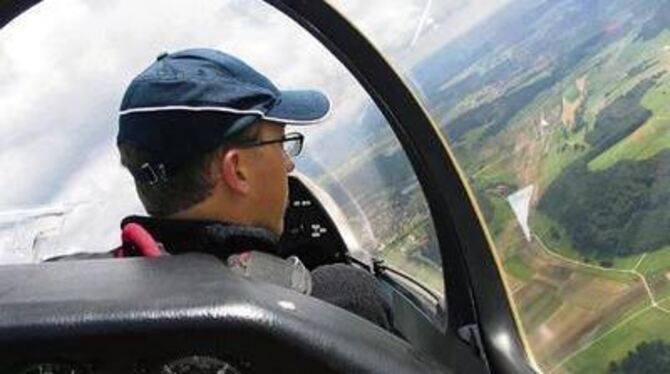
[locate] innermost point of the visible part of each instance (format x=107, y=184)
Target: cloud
x=390, y=24
x=450, y=20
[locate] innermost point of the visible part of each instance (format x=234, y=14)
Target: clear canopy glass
x=558, y=112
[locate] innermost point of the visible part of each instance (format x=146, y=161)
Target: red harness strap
x=137, y=242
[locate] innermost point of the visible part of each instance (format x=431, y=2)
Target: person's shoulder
x=344, y=274
x=353, y=289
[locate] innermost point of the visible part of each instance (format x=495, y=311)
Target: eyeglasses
x=291, y=142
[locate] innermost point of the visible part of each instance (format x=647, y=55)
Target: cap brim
x=300, y=108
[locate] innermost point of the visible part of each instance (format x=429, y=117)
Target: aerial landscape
x=558, y=112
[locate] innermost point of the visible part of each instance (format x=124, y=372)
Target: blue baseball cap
x=190, y=102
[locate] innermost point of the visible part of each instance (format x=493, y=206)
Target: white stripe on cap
x=190, y=109
x=224, y=110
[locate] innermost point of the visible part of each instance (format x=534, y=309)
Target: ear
x=234, y=171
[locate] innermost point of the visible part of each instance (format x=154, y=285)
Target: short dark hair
x=188, y=184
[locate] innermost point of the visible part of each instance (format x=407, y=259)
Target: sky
x=64, y=66
x=409, y=31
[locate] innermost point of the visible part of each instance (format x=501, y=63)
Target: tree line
x=621, y=210
x=648, y=357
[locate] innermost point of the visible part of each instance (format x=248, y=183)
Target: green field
x=663, y=295
x=501, y=217
x=647, y=141
x=650, y=138
x=655, y=261
x=494, y=173
x=559, y=154
x=657, y=99
x=649, y=325
x=611, y=275
x=571, y=93
x=516, y=267
x=630, y=312
x=604, y=85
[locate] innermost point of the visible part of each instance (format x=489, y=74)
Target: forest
x=621, y=210
x=620, y=118
x=648, y=357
